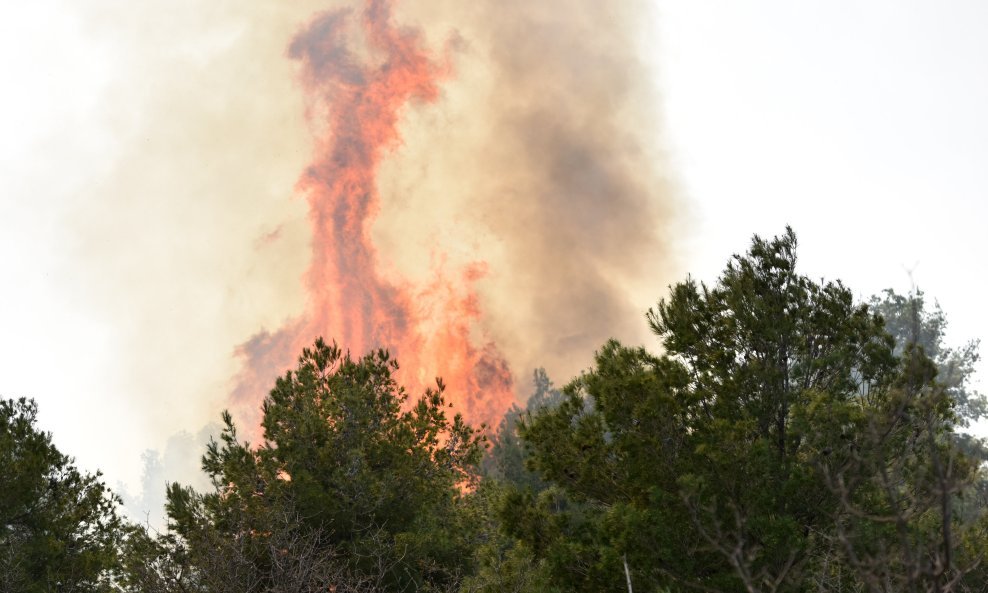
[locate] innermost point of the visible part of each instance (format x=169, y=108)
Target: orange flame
x=358, y=105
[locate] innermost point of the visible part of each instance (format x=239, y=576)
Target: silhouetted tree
x=368, y=485
x=59, y=528
x=506, y=459
x=772, y=445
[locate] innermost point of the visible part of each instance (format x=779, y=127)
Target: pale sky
x=861, y=124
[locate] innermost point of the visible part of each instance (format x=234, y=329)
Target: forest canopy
x=783, y=438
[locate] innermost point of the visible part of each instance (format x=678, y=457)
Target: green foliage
x=371, y=480
x=501, y=562
x=506, y=459
x=777, y=437
x=787, y=439
x=59, y=529
x=911, y=321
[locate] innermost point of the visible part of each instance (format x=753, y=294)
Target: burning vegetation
x=788, y=438
x=785, y=441
x=536, y=148
x=356, y=101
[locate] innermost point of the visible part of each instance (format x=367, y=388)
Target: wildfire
x=355, y=103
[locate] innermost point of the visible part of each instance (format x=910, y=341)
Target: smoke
x=544, y=165
x=179, y=237
x=356, y=99
x=519, y=207
x=178, y=461
x=546, y=153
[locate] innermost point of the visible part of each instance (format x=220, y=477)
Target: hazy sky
x=861, y=124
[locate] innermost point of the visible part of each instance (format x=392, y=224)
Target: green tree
x=59, y=528
x=349, y=468
x=506, y=457
x=503, y=563
x=724, y=464
x=900, y=480
x=913, y=322
x=910, y=320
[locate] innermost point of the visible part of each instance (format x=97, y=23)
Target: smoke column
x=520, y=197
x=487, y=189
x=545, y=157
x=356, y=100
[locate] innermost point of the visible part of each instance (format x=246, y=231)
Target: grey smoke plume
x=179, y=461
x=547, y=152
x=542, y=158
